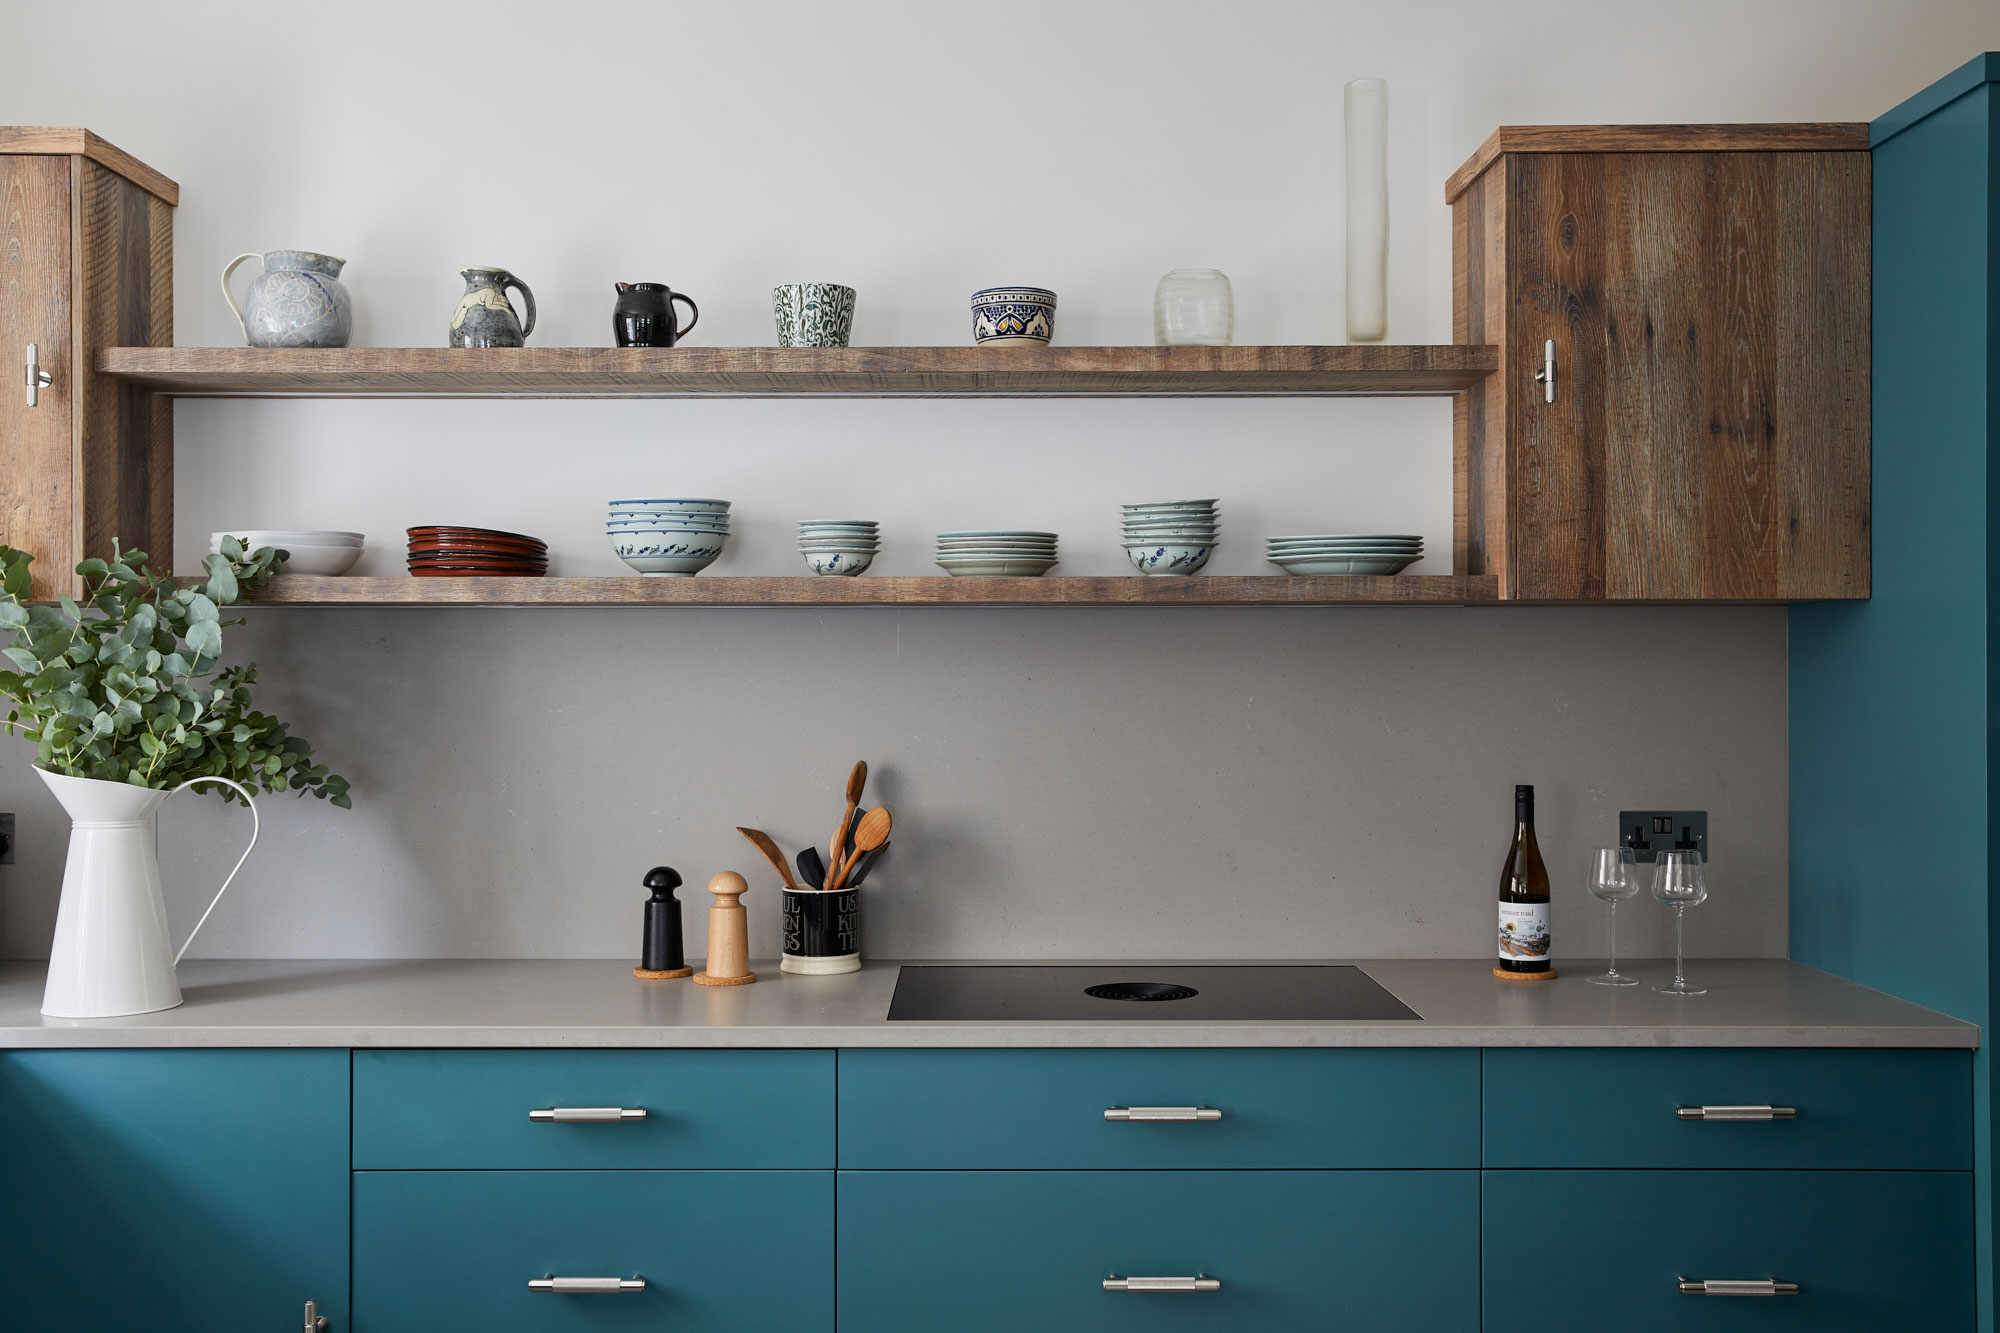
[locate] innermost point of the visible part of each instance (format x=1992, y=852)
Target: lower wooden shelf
x=813, y=590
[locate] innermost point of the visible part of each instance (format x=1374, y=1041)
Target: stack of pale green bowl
x=1019, y=554
x=1170, y=536
x=839, y=545
x=1345, y=553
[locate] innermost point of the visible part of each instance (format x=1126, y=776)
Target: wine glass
x=1680, y=882
x=1614, y=877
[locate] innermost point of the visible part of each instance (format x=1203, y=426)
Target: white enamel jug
x=112, y=954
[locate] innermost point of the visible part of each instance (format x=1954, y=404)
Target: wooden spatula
x=762, y=842
x=836, y=851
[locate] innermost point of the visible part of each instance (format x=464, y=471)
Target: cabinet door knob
x=1546, y=376
x=1200, y=1282
x=1161, y=1113
x=1737, y=1112
x=37, y=378
x=1729, y=1286
x=570, y=1115
x=586, y=1286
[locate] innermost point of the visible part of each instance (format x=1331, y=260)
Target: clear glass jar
x=1194, y=307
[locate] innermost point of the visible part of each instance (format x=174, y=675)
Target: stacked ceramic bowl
x=470, y=553
x=673, y=538
x=1015, y=554
x=1345, y=553
x=1170, y=536
x=839, y=545
x=308, y=552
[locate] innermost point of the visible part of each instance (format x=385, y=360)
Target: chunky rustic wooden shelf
x=814, y=590
x=801, y=372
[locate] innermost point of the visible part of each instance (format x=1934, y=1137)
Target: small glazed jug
x=297, y=301
x=485, y=318
x=644, y=315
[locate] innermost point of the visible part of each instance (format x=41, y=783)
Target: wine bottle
x=1524, y=899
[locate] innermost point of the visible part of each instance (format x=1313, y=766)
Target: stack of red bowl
x=465, y=553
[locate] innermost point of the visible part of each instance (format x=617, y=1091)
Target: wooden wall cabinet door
x=1706, y=292
x=86, y=261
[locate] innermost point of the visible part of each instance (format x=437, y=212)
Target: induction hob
x=1142, y=993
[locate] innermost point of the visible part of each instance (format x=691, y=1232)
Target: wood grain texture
x=124, y=442
x=1480, y=488
x=813, y=590
x=38, y=510
x=1709, y=438
x=1802, y=137
x=671, y=372
x=65, y=141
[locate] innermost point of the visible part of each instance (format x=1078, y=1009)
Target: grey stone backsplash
x=1066, y=783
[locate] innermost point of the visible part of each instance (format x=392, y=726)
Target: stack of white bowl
x=839, y=545
x=1170, y=536
x=671, y=538
x=323, y=553
x=1020, y=554
x=1345, y=553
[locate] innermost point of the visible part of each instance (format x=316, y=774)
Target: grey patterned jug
x=297, y=301
x=485, y=318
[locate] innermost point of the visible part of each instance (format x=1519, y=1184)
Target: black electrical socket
x=6, y=840
x=1659, y=830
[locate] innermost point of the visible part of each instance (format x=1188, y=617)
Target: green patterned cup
x=813, y=314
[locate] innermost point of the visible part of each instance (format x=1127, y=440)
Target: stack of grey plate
x=1015, y=553
x=1170, y=536
x=1345, y=553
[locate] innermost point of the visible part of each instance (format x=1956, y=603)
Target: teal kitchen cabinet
x=1002, y=1251
x=718, y=1251
x=182, y=1189
x=438, y=1110
x=1587, y=1251
x=1045, y=1109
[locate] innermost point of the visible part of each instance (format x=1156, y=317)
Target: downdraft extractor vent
x=1140, y=990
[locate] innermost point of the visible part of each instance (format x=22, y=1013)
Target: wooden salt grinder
x=728, y=934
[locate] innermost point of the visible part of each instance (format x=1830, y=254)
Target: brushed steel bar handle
x=570, y=1115
x=1546, y=376
x=37, y=378
x=1738, y=1287
x=1161, y=1113
x=1201, y=1282
x=586, y=1286
x=1737, y=1112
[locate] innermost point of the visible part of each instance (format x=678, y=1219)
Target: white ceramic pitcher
x=112, y=954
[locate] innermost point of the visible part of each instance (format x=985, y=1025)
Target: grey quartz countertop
x=598, y=1003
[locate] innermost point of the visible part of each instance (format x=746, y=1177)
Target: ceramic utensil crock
x=484, y=317
x=112, y=954
x=822, y=932
x=297, y=301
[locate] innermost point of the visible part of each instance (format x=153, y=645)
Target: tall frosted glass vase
x=1367, y=123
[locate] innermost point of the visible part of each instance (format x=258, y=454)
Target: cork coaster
x=703, y=979
x=1504, y=975
x=668, y=975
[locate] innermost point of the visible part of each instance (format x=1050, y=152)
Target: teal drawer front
x=719, y=1251
x=981, y=1250
x=1881, y=1110
x=172, y=1189
x=1587, y=1251
x=436, y=1110
x=989, y=1109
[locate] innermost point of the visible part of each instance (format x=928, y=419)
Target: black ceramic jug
x=644, y=315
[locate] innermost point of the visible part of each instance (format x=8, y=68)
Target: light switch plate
x=1671, y=821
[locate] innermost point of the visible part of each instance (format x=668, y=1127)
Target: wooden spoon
x=762, y=842
x=836, y=851
x=869, y=834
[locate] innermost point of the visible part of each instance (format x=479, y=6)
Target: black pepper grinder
x=660, y=955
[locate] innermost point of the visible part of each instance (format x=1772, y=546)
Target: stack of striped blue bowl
x=670, y=538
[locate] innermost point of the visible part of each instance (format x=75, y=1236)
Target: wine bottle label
x=1524, y=932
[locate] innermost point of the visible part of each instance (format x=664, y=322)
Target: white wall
x=915, y=151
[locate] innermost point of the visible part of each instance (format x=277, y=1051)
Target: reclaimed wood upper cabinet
x=1681, y=410
x=86, y=262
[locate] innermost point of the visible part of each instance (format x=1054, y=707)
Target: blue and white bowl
x=1003, y=316
x=673, y=506
x=1168, y=557
x=836, y=560
x=670, y=552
